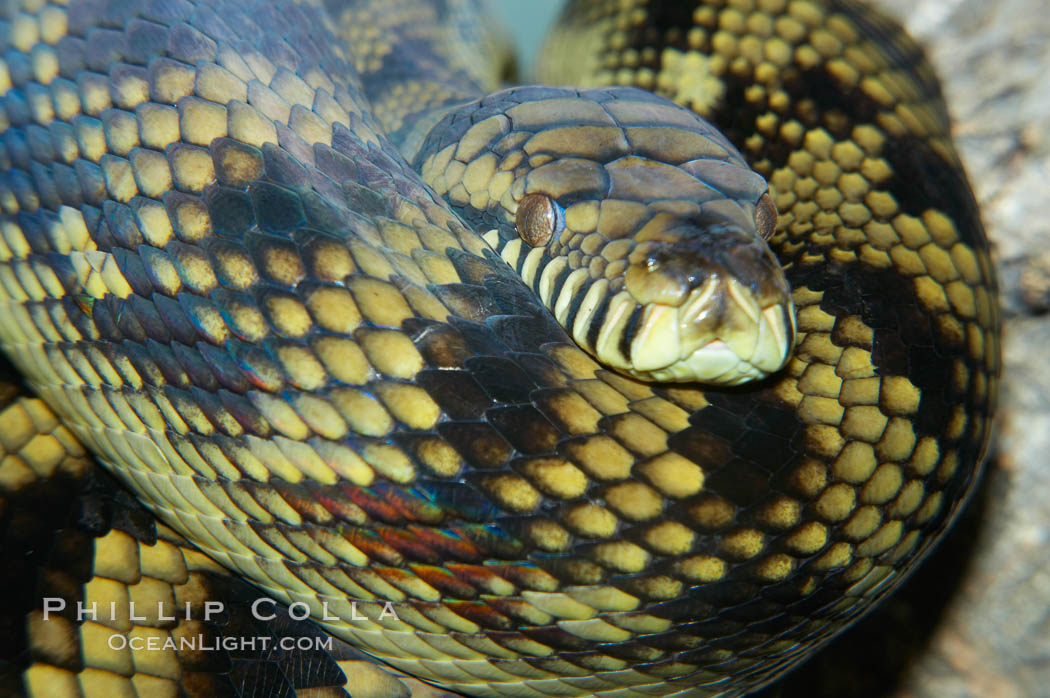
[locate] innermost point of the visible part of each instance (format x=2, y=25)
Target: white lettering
x=82, y=612
x=255, y=609
x=302, y=616
x=54, y=604
x=212, y=608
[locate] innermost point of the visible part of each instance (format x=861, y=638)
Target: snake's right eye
x=540, y=220
x=765, y=216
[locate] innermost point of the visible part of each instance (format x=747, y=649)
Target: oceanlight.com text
x=202, y=643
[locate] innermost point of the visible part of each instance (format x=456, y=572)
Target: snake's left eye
x=540, y=220
x=766, y=216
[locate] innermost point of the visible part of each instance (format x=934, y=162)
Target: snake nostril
x=658, y=282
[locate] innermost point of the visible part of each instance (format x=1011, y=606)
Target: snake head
x=715, y=305
x=637, y=223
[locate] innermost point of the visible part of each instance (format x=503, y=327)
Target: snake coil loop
x=552, y=374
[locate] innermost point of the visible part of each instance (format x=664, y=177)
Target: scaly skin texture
x=224, y=280
x=75, y=536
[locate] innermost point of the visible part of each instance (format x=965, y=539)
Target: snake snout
x=668, y=268
x=715, y=307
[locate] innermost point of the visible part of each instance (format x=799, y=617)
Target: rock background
x=974, y=621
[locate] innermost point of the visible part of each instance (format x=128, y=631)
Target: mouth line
x=719, y=335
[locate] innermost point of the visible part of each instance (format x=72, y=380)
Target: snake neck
x=419, y=60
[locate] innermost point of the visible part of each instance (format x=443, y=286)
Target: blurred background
x=528, y=22
x=974, y=621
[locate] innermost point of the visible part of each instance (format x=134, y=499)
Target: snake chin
x=753, y=351
x=718, y=336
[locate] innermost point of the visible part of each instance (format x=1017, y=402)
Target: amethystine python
x=542, y=368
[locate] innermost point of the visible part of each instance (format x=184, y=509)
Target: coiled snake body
x=472, y=393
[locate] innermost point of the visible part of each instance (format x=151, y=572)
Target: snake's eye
x=765, y=216
x=540, y=220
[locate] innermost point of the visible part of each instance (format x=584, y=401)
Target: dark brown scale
x=480, y=444
x=458, y=392
x=468, y=301
x=143, y=40
x=284, y=169
x=277, y=209
x=230, y=211
x=524, y=427
x=440, y=345
x=501, y=378
x=334, y=164
x=122, y=225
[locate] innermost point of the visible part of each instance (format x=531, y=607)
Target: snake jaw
x=719, y=336
x=733, y=319
x=750, y=344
